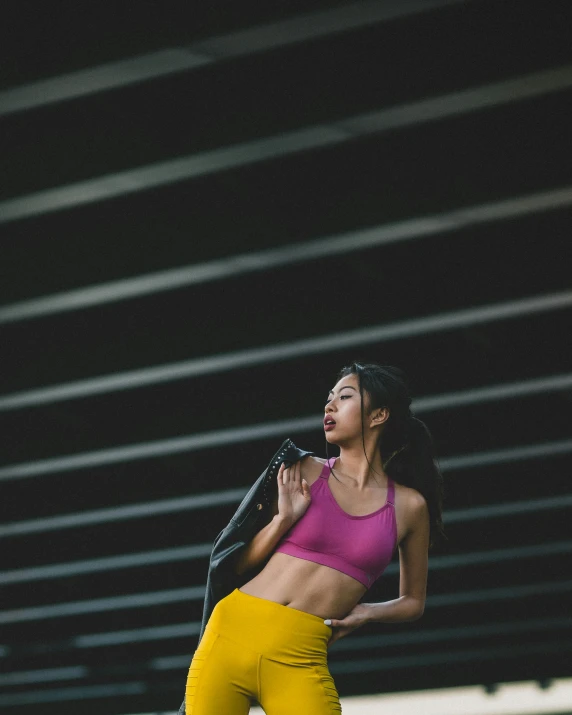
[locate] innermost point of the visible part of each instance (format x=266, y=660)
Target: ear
x=379, y=416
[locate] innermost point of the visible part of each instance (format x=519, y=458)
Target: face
x=342, y=419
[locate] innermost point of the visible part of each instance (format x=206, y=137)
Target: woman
x=328, y=540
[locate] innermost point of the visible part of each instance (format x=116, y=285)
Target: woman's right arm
x=292, y=500
x=262, y=545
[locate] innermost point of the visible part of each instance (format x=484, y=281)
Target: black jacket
x=252, y=513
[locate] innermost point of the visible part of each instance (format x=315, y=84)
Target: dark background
x=444, y=130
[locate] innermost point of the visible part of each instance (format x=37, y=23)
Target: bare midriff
x=306, y=586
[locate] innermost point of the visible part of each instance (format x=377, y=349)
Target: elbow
x=241, y=568
x=417, y=609
x=239, y=564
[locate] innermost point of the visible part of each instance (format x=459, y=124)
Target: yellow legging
x=253, y=649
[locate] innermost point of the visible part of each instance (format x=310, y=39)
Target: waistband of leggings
x=275, y=631
x=272, y=610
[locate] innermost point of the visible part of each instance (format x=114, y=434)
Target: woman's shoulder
x=311, y=468
x=411, y=504
x=409, y=496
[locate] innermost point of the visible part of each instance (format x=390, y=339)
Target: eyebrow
x=343, y=388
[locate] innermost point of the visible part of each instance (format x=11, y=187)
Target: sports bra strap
x=325, y=473
x=390, y=491
x=328, y=464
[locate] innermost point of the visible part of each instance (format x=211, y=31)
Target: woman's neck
x=353, y=465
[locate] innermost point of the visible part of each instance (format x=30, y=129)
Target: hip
x=269, y=628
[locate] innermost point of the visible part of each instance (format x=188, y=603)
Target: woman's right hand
x=294, y=495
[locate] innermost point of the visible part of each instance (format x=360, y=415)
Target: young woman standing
x=335, y=526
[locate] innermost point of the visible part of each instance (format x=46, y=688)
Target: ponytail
x=414, y=465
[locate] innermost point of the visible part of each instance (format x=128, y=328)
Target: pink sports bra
x=359, y=546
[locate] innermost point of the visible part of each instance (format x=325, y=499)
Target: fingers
x=289, y=474
x=295, y=474
x=283, y=474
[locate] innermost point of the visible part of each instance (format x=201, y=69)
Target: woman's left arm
x=413, y=565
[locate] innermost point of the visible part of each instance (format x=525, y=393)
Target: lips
x=329, y=423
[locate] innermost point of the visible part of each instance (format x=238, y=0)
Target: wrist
x=371, y=614
x=283, y=522
x=378, y=612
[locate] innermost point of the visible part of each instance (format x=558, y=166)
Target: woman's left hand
x=355, y=618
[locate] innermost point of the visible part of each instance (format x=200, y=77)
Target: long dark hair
x=405, y=443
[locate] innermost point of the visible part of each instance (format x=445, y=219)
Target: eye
x=345, y=397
